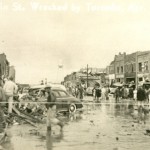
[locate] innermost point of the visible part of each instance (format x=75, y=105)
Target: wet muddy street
x=101, y=126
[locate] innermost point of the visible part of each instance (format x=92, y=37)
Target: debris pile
x=27, y=110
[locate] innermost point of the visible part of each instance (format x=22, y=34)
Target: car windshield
x=56, y=93
x=63, y=94
x=60, y=93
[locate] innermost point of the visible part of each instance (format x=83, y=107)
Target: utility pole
x=87, y=74
x=136, y=69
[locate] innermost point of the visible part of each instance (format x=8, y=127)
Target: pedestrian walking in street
x=98, y=93
x=10, y=89
x=51, y=110
x=103, y=93
x=131, y=93
x=147, y=91
x=117, y=94
x=122, y=92
x=141, y=96
x=94, y=93
x=77, y=91
x=135, y=94
x=125, y=93
x=80, y=92
x=107, y=93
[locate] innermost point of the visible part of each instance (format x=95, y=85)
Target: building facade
x=119, y=61
x=125, y=68
x=143, y=66
x=12, y=72
x=4, y=66
x=130, y=68
x=110, y=74
x=94, y=75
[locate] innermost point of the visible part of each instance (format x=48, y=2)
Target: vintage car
x=64, y=101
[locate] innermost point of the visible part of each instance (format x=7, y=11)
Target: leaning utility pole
x=87, y=74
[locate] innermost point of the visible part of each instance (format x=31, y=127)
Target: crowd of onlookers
x=78, y=91
x=100, y=93
x=140, y=94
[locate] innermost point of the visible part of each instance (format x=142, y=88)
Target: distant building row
x=90, y=77
x=127, y=68
x=5, y=69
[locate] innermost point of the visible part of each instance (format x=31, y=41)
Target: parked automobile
x=89, y=91
x=64, y=101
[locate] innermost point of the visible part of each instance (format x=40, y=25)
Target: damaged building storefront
x=130, y=68
x=143, y=66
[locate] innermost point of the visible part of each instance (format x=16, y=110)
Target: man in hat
x=51, y=109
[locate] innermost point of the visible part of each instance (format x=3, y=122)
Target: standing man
x=2, y=100
x=117, y=94
x=98, y=93
x=141, y=96
x=10, y=89
x=51, y=109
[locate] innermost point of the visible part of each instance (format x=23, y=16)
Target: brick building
x=119, y=61
x=143, y=66
x=130, y=68
x=12, y=72
x=4, y=65
x=111, y=73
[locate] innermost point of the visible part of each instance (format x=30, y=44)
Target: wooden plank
x=15, y=110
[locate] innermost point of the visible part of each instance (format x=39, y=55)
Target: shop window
x=121, y=69
x=117, y=69
x=140, y=67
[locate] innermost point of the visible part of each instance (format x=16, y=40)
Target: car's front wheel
x=72, y=108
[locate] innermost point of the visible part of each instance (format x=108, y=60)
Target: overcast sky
x=35, y=41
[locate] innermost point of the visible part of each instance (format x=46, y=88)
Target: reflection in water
x=50, y=139
x=75, y=117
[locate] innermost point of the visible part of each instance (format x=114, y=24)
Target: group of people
x=140, y=94
x=125, y=93
x=77, y=91
x=100, y=93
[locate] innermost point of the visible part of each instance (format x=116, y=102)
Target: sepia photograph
x=74, y=75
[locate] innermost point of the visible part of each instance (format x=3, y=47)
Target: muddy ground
x=106, y=126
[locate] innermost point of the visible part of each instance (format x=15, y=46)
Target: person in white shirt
x=10, y=89
x=135, y=94
x=103, y=93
